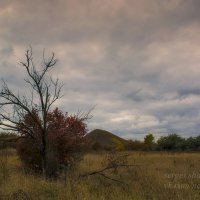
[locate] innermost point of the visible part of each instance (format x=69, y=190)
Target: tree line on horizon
x=171, y=142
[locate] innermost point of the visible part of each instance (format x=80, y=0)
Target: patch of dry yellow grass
x=159, y=176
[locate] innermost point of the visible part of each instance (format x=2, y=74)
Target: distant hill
x=105, y=140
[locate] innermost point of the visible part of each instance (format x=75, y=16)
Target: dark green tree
x=171, y=142
x=149, y=141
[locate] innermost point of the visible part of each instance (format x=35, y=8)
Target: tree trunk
x=44, y=157
x=44, y=165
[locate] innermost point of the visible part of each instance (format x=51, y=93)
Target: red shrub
x=65, y=140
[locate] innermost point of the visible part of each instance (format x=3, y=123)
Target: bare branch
x=112, y=164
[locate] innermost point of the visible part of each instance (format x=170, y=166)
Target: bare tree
x=44, y=91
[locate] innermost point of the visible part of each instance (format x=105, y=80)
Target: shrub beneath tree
x=65, y=141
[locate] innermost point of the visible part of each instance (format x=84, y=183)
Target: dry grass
x=159, y=176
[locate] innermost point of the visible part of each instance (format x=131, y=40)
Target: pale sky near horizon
x=137, y=61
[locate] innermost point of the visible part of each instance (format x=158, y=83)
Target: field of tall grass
x=152, y=175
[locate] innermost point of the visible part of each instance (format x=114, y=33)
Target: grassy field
x=155, y=176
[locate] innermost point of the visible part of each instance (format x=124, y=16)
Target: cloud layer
x=137, y=61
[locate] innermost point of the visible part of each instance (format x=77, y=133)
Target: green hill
x=102, y=139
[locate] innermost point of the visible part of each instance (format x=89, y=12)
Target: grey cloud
x=178, y=110
x=189, y=91
x=134, y=59
x=6, y=51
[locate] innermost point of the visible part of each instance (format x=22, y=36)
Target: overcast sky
x=138, y=61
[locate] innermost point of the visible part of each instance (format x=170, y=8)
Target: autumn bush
x=65, y=141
